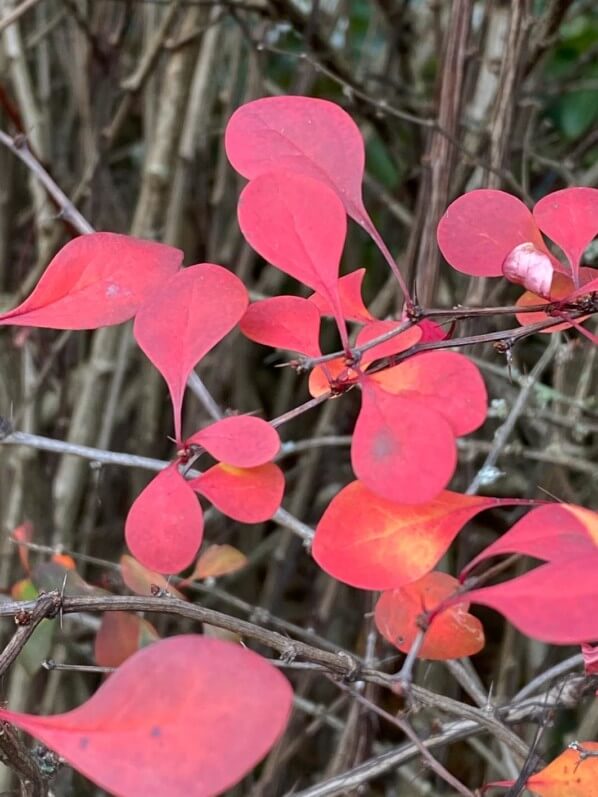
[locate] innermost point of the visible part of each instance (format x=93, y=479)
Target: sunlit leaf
x=284, y=322
x=185, y=320
x=96, y=280
x=349, y=289
x=186, y=715
x=401, y=450
x=250, y=495
x=164, y=527
x=370, y=542
x=451, y=635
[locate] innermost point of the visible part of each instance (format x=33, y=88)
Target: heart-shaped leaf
x=187, y=319
x=164, y=527
x=95, y=281
x=570, y=219
x=186, y=715
x=241, y=440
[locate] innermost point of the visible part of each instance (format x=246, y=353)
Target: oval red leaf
x=241, y=440
x=284, y=322
x=569, y=775
x=250, y=495
x=480, y=228
x=451, y=635
x=186, y=715
x=164, y=527
x=401, y=450
x=372, y=543
x=299, y=225
x=95, y=281
x=187, y=319
x=310, y=137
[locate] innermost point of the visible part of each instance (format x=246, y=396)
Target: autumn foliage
x=192, y=715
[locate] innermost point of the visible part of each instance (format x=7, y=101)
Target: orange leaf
x=218, y=560
x=568, y=775
x=23, y=534
x=452, y=634
x=142, y=581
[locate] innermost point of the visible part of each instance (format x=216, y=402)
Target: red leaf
x=185, y=321
x=121, y=634
x=402, y=451
x=590, y=658
x=557, y=602
x=142, y=581
x=431, y=331
x=451, y=635
x=307, y=136
x=331, y=373
x=240, y=440
x=553, y=532
x=480, y=228
x=22, y=535
x=530, y=267
x=568, y=775
x=95, y=281
x=372, y=543
x=186, y=715
x=250, y=495
x=284, y=322
x=299, y=225
x=349, y=289
x=443, y=381
x=164, y=527
x=562, y=288
x=401, y=342
x=570, y=218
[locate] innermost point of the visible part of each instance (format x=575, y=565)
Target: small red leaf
x=187, y=319
x=562, y=288
x=452, y=634
x=557, y=602
x=164, y=527
x=443, y=381
x=250, y=495
x=186, y=715
x=372, y=543
x=310, y=137
x=22, y=535
x=569, y=775
x=480, y=228
x=240, y=440
x=284, y=322
x=121, y=634
x=299, y=225
x=349, y=289
x=569, y=218
x=95, y=281
x=553, y=532
x=525, y=265
x=401, y=450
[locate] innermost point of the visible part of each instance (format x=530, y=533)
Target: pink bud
x=528, y=266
